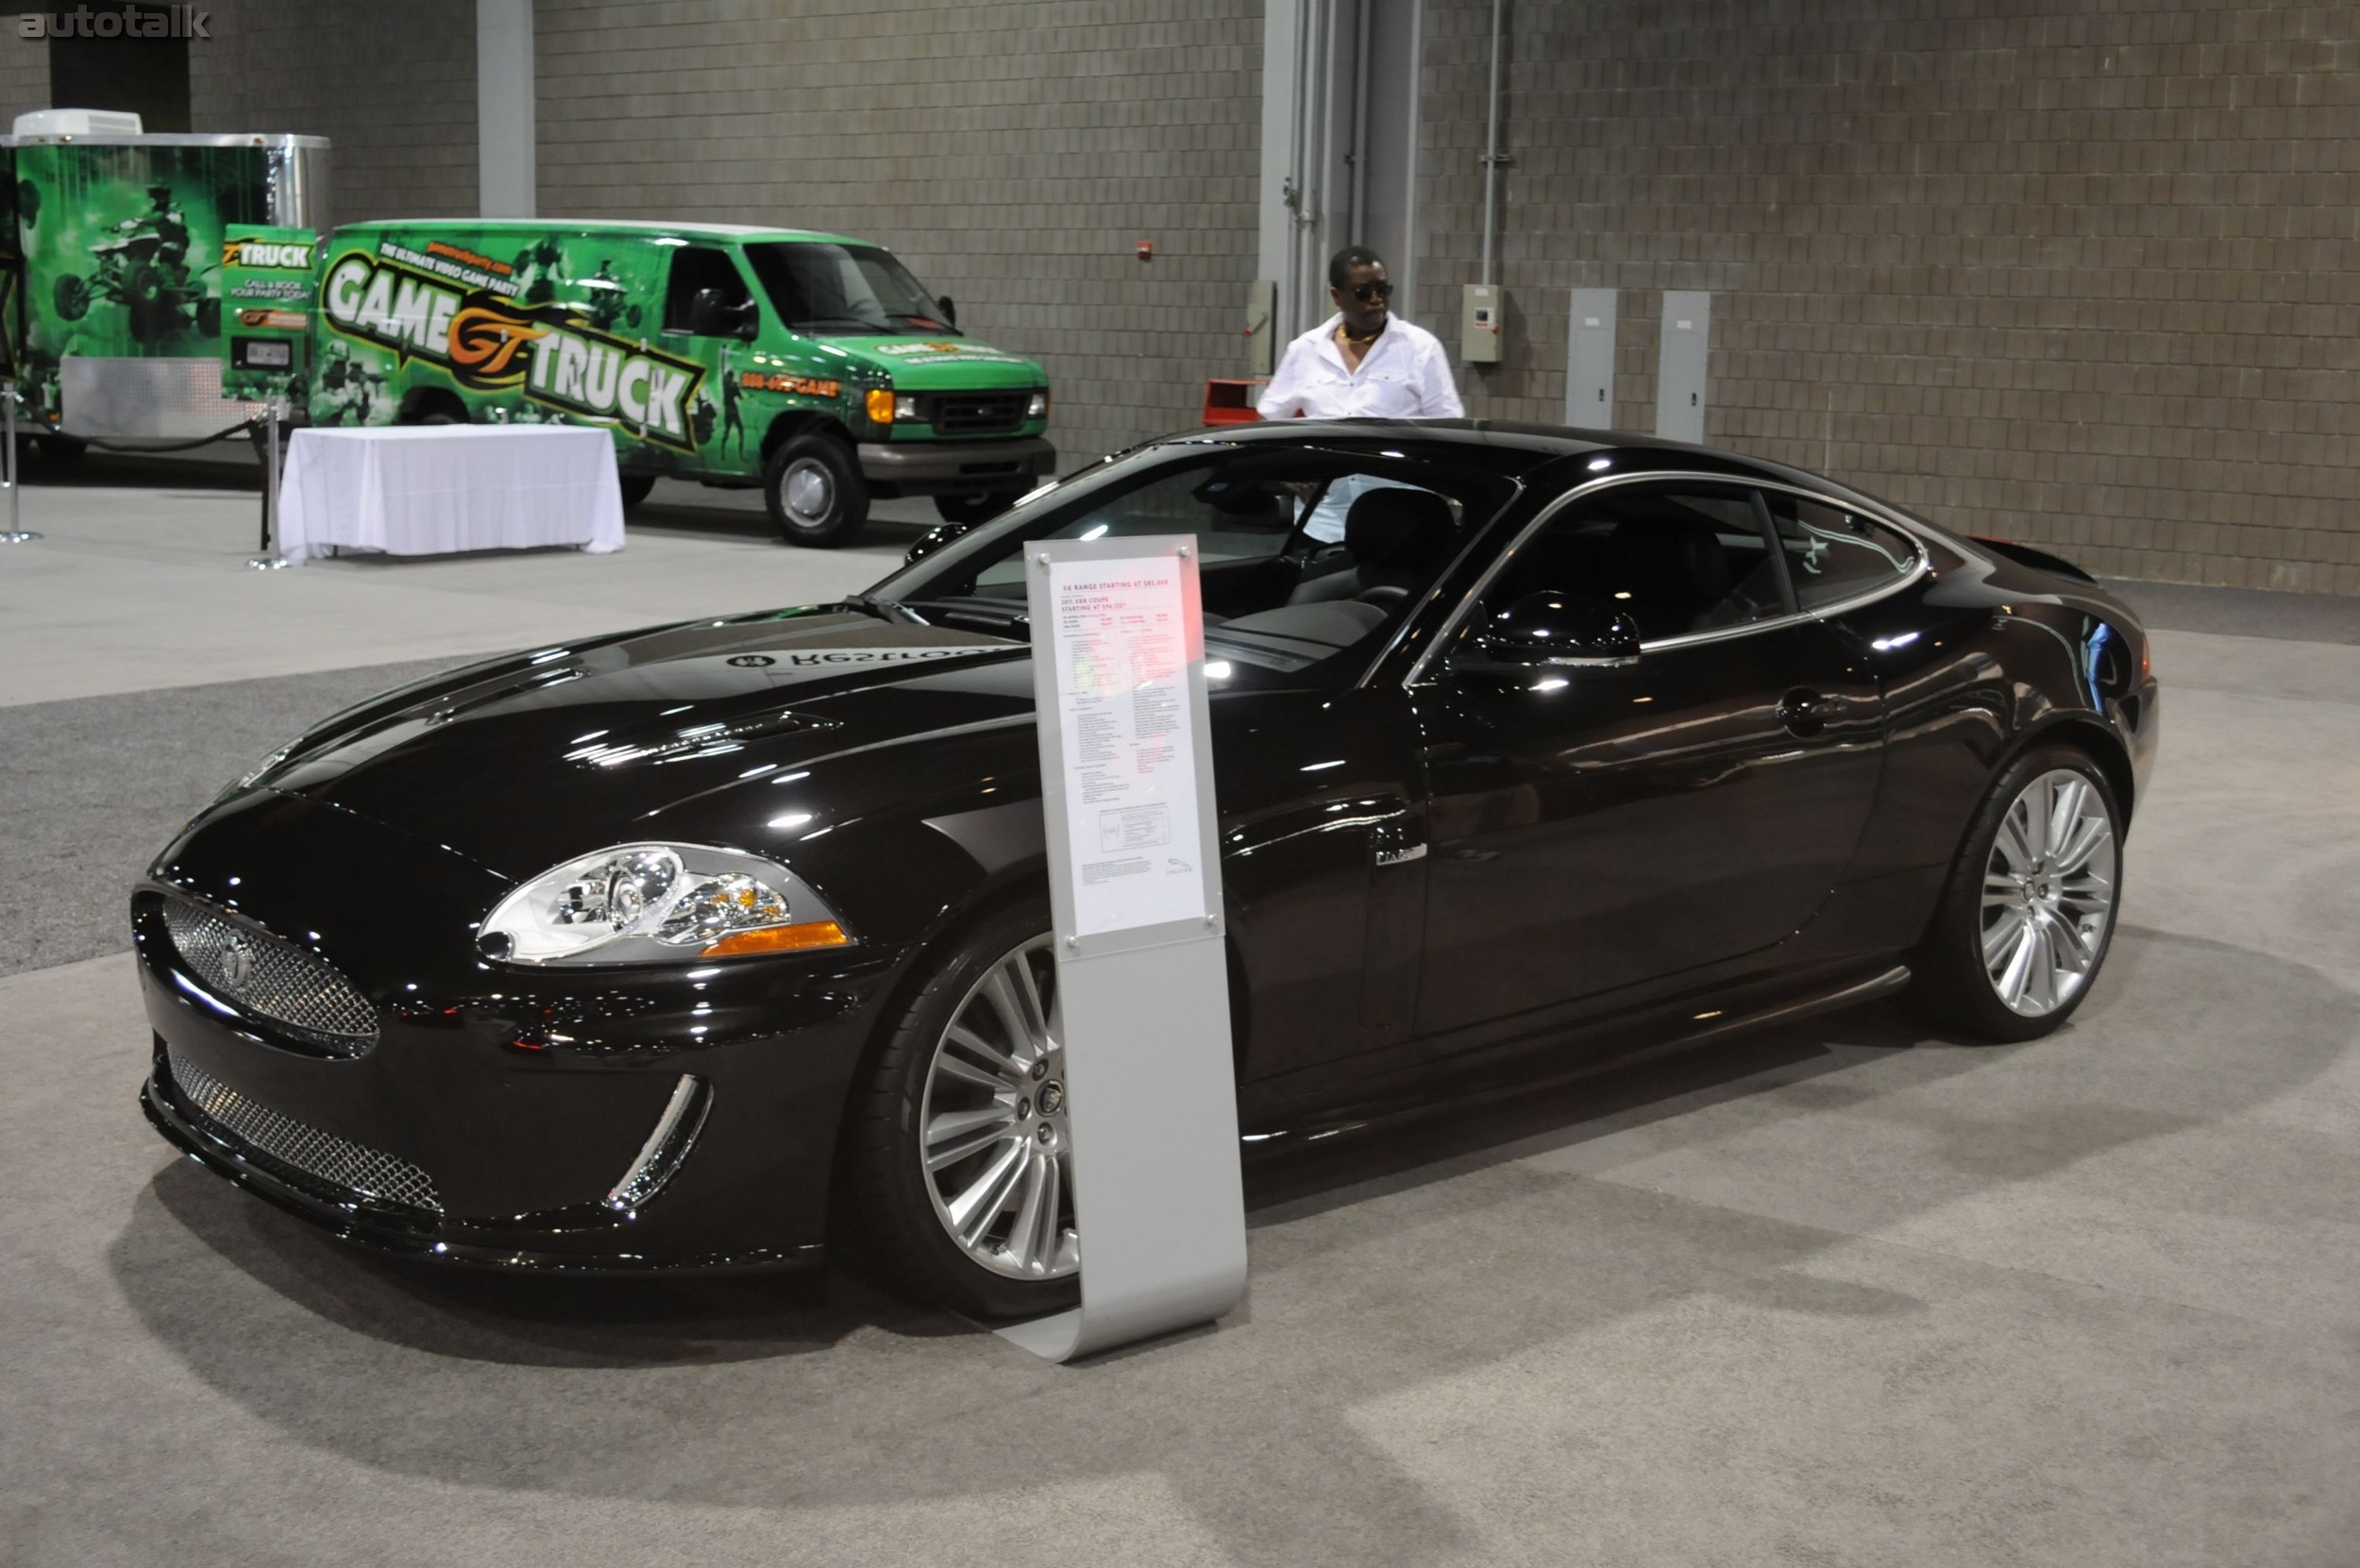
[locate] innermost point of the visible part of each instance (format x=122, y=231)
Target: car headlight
x=642, y=903
x=1039, y=407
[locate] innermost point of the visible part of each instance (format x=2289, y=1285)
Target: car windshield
x=826, y=289
x=1307, y=558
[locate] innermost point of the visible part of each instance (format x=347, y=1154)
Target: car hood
x=522, y=762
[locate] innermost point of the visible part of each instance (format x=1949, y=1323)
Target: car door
x=1595, y=829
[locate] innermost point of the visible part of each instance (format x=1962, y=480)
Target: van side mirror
x=1559, y=629
x=711, y=314
x=950, y=311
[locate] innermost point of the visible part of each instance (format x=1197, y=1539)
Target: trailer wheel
x=817, y=495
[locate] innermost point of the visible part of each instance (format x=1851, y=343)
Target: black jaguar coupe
x=720, y=943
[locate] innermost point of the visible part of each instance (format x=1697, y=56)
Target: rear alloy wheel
x=816, y=494
x=961, y=1153
x=2030, y=911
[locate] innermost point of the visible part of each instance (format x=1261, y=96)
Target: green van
x=813, y=365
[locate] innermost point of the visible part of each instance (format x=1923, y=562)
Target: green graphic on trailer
x=122, y=248
x=496, y=330
x=267, y=311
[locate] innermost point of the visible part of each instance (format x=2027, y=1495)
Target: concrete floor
x=1838, y=1294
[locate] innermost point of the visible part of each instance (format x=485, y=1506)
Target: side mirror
x=1551, y=628
x=950, y=311
x=711, y=314
x=937, y=537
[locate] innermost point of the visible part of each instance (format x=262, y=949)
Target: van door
x=709, y=316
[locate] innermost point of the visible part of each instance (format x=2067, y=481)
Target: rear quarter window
x=1834, y=553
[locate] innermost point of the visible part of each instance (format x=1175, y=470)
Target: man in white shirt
x=1362, y=362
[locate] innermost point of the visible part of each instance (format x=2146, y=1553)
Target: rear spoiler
x=2027, y=556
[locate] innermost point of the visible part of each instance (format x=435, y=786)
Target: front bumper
x=500, y=1116
x=955, y=467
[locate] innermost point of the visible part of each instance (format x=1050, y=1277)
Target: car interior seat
x=1674, y=570
x=1394, y=538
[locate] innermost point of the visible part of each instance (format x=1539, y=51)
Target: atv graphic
x=145, y=269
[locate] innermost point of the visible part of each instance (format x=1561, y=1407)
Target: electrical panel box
x=1680, y=384
x=1480, y=321
x=1589, y=360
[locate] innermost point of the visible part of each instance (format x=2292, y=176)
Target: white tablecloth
x=430, y=489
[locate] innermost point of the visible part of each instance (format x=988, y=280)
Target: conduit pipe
x=1492, y=145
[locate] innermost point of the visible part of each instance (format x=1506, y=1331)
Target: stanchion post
x=269, y=560
x=15, y=534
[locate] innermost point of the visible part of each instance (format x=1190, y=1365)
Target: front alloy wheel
x=995, y=1144
x=958, y=1165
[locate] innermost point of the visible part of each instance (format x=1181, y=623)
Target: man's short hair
x=1341, y=264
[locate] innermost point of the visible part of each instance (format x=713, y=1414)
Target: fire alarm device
x=1147, y=250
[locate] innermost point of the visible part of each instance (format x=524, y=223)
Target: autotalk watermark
x=109, y=22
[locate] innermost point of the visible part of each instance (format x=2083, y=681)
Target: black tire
x=438, y=417
x=635, y=488
x=59, y=451
x=71, y=296
x=1951, y=987
x=974, y=509
x=815, y=491
x=888, y=1216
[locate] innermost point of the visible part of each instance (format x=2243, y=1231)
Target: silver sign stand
x=1142, y=1004
x=15, y=534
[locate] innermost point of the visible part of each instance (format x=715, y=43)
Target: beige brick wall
x=2090, y=280
x=24, y=73
x=1012, y=153
x=393, y=86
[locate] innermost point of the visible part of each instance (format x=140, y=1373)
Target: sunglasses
x=1367, y=292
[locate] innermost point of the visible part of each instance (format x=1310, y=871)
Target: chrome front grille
x=271, y=978
x=340, y=1162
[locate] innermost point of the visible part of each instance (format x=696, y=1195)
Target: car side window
x=1833, y=553
x=1680, y=556
x=696, y=268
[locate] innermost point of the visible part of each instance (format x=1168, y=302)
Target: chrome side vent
x=354, y=1168
x=270, y=978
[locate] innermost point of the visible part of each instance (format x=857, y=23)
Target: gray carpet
x=90, y=790
x=1844, y=1293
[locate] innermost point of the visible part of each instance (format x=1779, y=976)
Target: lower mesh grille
x=340, y=1162
x=274, y=979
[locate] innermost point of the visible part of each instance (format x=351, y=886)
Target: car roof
x=628, y=226
x=1537, y=444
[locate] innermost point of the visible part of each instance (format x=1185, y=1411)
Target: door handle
x=1804, y=711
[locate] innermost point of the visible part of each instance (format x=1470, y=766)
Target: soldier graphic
x=348, y=386
x=732, y=417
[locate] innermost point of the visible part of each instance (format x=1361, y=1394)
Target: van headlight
x=1038, y=408
x=659, y=903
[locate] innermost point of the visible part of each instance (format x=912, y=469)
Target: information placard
x=1125, y=633
x=1143, y=996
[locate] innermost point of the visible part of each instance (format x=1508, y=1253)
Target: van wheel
x=974, y=509
x=816, y=494
x=635, y=488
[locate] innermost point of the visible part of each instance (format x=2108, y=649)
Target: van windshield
x=842, y=290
